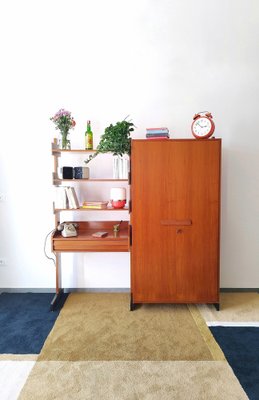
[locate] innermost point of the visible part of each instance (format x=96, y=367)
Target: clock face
x=202, y=127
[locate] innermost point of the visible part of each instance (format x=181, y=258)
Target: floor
x=237, y=310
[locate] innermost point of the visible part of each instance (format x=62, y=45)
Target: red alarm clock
x=203, y=126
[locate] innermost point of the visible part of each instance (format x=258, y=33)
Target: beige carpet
x=100, y=327
x=13, y=375
x=234, y=307
x=139, y=380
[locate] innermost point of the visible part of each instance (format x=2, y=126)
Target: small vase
x=118, y=197
x=120, y=167
x=64, y=142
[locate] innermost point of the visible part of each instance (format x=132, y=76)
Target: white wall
x=158, y=61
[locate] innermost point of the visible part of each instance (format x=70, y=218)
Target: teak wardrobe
x=175, y=221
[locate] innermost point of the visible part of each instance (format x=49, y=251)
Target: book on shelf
x=97, y=205
x=72, y=197
x=61, y=200
x=157, y=137
x=157, y=133
x=157, y=130
x=66, y=198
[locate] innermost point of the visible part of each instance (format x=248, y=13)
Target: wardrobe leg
x=132, y=305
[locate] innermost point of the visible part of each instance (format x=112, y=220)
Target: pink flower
x=63, y=120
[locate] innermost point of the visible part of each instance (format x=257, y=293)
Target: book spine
x=74, y=197
x=69, y=196
x=157, y=134
x=61, y=199
x=158, y=130
x=95, y=203
x=58, y=198
x=158, y=138
x=95, y=207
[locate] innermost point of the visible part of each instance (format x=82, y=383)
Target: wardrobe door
x=197, y=201
x=153, y=254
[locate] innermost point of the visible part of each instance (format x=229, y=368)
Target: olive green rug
x=100, y=327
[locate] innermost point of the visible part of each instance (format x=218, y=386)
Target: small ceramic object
x=118, y=197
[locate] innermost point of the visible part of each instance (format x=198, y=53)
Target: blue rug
x=25, y=321
x=241, y=348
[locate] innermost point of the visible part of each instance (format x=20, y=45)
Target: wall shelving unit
x=84, y=241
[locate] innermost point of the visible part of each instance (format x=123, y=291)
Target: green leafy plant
x=116, y=139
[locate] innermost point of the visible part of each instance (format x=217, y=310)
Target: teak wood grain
x=175, y=192
x=85, y=242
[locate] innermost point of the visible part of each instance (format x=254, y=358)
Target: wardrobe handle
x=177, y=222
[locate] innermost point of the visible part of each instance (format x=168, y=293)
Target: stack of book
x=66, y=198
x=157, y=133
x=95, y=205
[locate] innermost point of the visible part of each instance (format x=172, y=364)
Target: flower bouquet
x=64, y=122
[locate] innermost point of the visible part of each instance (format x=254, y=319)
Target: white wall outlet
x=2, y=197
x=3, y=262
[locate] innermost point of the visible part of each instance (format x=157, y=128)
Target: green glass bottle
x=88, y=137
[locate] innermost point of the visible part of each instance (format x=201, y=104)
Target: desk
x=85, y=242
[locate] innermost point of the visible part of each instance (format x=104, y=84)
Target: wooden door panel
x=197, y=250
x=174, y=182
x=152, y=260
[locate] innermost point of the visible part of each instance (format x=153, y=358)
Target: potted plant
x=116, y=139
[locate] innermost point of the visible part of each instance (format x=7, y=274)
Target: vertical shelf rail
x=55, y=154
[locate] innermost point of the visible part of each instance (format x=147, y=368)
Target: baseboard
x=96, y=290
x=104, y=290
x=67, y=290
x=236, y=290
x=27, y=290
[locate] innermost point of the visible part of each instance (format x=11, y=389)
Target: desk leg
x=59, y=291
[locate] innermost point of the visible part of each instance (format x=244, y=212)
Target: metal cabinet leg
x=59, y=291
x=217, y=306
x=56, y=299
x=132, y=305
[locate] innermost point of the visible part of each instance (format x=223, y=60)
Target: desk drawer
x=91, y=245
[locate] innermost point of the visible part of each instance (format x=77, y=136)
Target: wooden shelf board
x=90, y=180
x=85, y=242
x=91, y=209
x=73, y=151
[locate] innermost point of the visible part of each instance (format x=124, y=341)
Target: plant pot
x=120, y=167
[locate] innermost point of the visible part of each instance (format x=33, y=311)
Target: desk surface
x=84, y=241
